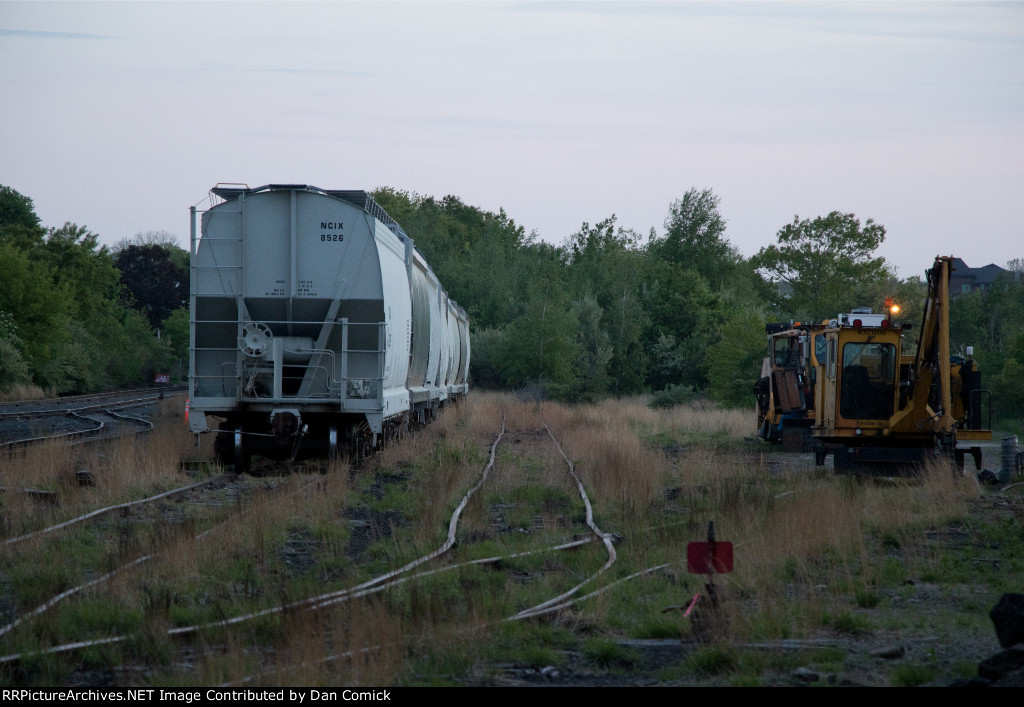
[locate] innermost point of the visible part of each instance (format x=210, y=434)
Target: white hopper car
x=316, y=325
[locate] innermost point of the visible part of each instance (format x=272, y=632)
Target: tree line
x=680, y=313
x=609, y=311
x=78, y=317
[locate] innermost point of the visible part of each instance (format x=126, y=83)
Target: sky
x=120, y=116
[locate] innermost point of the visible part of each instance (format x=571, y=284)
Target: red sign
x=162, y=378
x=702, y=558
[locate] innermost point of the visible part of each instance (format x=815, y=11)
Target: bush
x=484, y=359
x=14, y=369
x=673, y=395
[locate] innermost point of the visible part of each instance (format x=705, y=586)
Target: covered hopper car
x=316, y=325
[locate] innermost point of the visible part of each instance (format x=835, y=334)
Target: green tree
x=84, y=267
x=19, y=224
x=992, y=322
x=734, y=361
x=167, y=241
x=827, y=263
x=695, y=237
x=155, y=285
x=14, y=368
x=594, y=351
x=476, y=254
x=541, y=342
x=176, y=335
x=606, y=263
x=16, y=210
x=684, y=317
x=37, y=307
x=694, y=278
x=485, y=363
x=131, y=351
x=1008, y=385
x=60, y=290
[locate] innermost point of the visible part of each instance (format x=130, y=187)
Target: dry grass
x=805, y=541
x=25, y=392
x=359, y=644
x=119, y=471
x=801, y=549
x=702, y=420
x=615, y=464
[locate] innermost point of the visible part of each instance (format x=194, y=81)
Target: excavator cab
x=868, y=381
x=880, y=409
x=786, y=390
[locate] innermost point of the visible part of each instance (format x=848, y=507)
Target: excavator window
x=867, y=386
x=819, y=348
x=786, y=352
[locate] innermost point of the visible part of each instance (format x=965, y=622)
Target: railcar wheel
x=333, y=443
x=223, y=448
x=241, y=454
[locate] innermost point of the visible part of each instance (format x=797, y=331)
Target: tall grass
x=810, y=548
x=115, y=472
x=24, y=391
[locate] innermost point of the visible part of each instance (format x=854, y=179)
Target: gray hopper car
x=316, y=325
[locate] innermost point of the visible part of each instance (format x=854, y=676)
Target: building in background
x=967, y=279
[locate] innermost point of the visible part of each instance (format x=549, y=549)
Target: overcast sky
x=120, y=116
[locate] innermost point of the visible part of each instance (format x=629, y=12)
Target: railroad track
x=84, y=402
x=81, y=418
x=438, y=561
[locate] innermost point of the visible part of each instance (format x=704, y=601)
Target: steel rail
x=53, y=601
x=108, y=509
x=359, y=590
x=368, y=587
x=92, y=431
x=565, y=605
x=138, y=561
x=605, y=537
x=375, y=585
x=63, y=405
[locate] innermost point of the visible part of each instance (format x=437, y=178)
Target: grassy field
x=829, y=571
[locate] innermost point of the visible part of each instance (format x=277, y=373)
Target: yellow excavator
x=848, y=383
x=786, y=391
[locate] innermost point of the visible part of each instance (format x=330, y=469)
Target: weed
x=848, y=622
x=102, y=616
x=812, y=551
x=672, y=396
x=536, y=657
x=711, y=660
x=964, y=669
x=657, y=626
x=892, y=572
x=890, y=541
x=745, y=680
x=772, y=622
x=827, y=659
x=911, y=675
x=608, y=654
x=866, y=598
